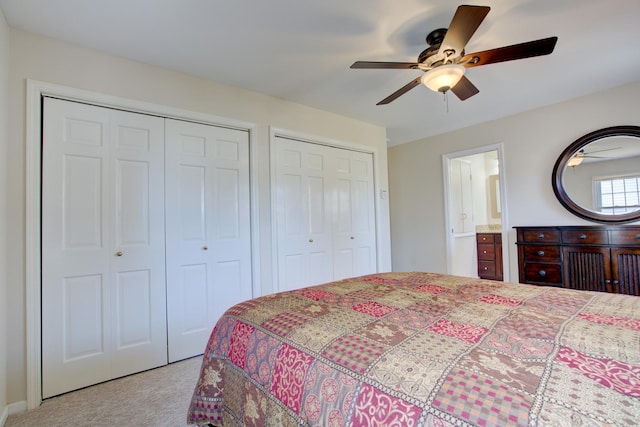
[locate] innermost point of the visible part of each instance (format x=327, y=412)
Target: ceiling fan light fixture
x=443, y=78
x=576, y=160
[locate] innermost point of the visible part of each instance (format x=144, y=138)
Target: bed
x=423, y=349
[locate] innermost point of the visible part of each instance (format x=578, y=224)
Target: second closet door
x=208, y=230
x=325, y=213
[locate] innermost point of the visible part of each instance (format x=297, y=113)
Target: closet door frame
x=378, y=192
x=33, y=175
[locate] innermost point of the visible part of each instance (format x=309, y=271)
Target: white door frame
x=446, y=162
x=33, y=138
x=313, y=139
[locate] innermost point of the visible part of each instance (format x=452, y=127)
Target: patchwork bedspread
x=423, y=349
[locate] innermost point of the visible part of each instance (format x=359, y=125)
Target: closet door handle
x=119, y=253
x=310, y=240
x=205, y=247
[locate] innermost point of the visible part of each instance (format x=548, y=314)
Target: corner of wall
x=4, y=141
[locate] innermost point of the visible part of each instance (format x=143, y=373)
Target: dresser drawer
x=585, y=237
x=485, y=238
x=486, y=252
x=542, y=253
x=541, y=236
x=543, y=273
x=486, y=269
x=625, y=237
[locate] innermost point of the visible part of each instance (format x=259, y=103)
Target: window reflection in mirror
x=605, y=176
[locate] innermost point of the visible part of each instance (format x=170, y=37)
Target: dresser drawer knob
x=541, y=236
x=637, y=236
x=542, y=273
x=540, y=253
x=582, y=236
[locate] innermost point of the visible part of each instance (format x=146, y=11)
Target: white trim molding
x=35, y=91
x=446, y=159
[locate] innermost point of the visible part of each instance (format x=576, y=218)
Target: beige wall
x=4, y=182
x=42, y=59
x=532, y=142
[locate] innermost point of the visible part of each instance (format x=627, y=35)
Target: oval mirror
x=597, y=177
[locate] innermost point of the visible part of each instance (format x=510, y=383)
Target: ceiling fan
x=581, y=155
x=445, y=60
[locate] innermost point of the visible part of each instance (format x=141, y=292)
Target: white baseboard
x=12, y=408
x=18, y=407
x=4, y=415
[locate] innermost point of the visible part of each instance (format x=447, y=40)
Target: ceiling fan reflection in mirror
x=444, y=61
x=581, y=155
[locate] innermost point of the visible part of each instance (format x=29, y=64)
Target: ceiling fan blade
x=600, y=151
x=465, y=22
x=384, y=65
x=509, y=53
x=404, y=89
x=464, y=89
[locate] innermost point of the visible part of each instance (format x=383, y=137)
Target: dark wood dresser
x=489, y=247
x=595, y=258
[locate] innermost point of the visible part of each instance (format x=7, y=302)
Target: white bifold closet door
x=103, y=276
x=208, y=230
x=325, y=213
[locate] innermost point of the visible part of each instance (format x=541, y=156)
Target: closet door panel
x=137, y=255
x=76, y=298
x=354, y=214
x=303, y=215
x=208, y=230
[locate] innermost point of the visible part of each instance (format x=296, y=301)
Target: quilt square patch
x=385, y=332
x=499, y=300
x=608, y=319
x=530, y=324
x=314, y=310
x=238, y=345
x=469, y=333
x=289, y=375
x=407, y=374
x=373, y=308
x=284, y=322
x=354, y=352
x=262, y=351
x=316, y=294
x=328, y=395
x=619, y=376
x=410, y=319
x=431, y=289
x=519, y=373
x=376, y=408
x=481, y=400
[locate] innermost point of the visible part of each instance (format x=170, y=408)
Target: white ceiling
x=301, y=50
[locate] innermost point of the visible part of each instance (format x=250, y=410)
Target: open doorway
x=475, y=209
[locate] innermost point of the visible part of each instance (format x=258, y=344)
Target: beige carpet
x=159, y=397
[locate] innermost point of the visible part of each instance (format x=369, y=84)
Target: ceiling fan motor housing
x=431, y=57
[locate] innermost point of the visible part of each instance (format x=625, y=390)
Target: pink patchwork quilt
x=423, y=349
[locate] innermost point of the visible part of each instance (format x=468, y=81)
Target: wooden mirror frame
x=561, y=166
